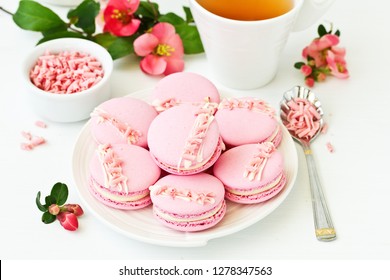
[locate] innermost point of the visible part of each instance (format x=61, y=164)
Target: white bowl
x=68, y=107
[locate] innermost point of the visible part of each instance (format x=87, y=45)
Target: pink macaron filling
x=129, y=201
x=256, y=195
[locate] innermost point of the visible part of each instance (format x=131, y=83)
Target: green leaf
x=191, y=39
x=299, y=65
x=188, y=33
x=41, y=207
x=49, y=200
x=31, y=15
x=48, y=218
x=172, y=19
x=337, y=33
x=61, y=34
x=148, y=10
x=321, y=30
x=60, y=193
x=148, y=13
x=83, y=16
x=189, y=17
x=104, y=39
x=121, y=47
x=117, y=46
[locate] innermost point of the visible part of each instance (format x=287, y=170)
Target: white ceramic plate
x=141, y=225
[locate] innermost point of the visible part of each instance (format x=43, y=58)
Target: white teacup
x=245, y=54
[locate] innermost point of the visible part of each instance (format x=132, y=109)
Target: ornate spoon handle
x=323, y=222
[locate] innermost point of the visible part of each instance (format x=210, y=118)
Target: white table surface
x=354, y=176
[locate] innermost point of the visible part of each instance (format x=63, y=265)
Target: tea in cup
x=247, y=9
x=243, y=40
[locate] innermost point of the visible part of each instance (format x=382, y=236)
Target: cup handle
x=310, y=12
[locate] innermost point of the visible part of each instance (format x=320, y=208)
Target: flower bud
x=73, y=208
x=68, y=220
x=321, y=77
x=54, y=209
x=306, y=70
x=309, y=82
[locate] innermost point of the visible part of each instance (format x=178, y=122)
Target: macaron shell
x=185, y=87
x=136, y=113
x=170, y=130
x=201, y=183
x=196, y=225
x=129, y=205
x=207, y=165
x=231, y=165
x=136, y=161
x=257, y=198
x=241, y=126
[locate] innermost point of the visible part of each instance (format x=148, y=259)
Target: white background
x=355, y=176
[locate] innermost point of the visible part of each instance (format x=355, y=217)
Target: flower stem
x=7, y=12
x=70, y=27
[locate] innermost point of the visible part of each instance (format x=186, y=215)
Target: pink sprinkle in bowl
x=68, y=107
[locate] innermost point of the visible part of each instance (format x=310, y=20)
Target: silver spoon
x=324, y=228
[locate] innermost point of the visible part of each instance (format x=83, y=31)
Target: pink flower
x=323, y=58
x=162, y=50
x=68, y=220
x=119, y=19
x=326, y=41
x=317, y=48
x=337, y=65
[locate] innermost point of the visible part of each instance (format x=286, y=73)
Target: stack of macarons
x=120, y=127
x=185, y=152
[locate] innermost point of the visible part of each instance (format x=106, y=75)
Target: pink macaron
x=185, y=139
x=247, y=121
x=120, y=176
x=183, y=87
x=122, y=120
x=251, y=173
x=188, y=203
